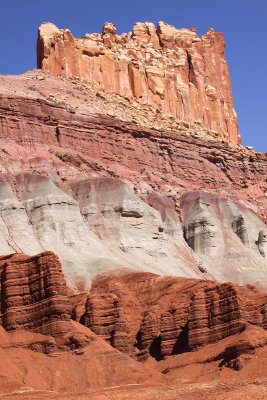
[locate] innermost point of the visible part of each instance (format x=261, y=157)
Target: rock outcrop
x=144, y=314
x=140, y=315
x=225, y=236
x=223, y=310
x=122, y=156
x=34, y=294
x=41, y=348
x=105, y=227
x=172, y=69
x=105, y=195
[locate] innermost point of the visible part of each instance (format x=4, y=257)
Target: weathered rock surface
x=169, y=68
x=133, y=228
x=227, y=237
x=40, y=346
x=171, y=160
x=223, y=310
x=143, y=314
x=106, y=195
x=107, y=227
x=140, y=314
x=34, y=294
x=102, y=225
x=230, y=358
x=34, y=365
x=135, y=169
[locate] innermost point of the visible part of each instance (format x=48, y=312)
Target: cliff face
x=168, y=68
x=132, y=172
x=34, y=294
x=137, y=325
x=145, y=315
x=107, y=194
x=135, y=317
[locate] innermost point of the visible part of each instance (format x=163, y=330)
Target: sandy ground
x=255, y=390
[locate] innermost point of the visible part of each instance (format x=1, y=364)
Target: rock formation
x=121, y=159
x=38, y=337
x=165, y=67
x=34, y=294
x=224, y=235
x=106, y=195
x=78, y=361
x=143, y=314
x=262, y=243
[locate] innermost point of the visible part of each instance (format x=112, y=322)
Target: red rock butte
x=167, y=68
x=133, y=238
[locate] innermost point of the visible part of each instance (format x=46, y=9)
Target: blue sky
x=243, y=22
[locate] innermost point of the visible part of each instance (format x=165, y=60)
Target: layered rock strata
x=34, y=294
x=40, y=347
x=105, y=195
x=141, y=314
x=225, y=236
x=105, y=227
x=97, y=143
x=144, y=314
x=102, y=225
x=137, y=167
x=172, y=69
x=222, y=310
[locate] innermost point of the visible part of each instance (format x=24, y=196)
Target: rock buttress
x=34, y=294
x=168, y=68
x=146, y=315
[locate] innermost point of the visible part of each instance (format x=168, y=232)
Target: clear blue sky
x=243, y=22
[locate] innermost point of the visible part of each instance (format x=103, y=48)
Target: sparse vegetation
x=79, y=88
x=55, y=101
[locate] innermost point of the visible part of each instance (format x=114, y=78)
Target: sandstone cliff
x=167, y=68
x=34, y=294
x=136, y=316
x=123, y=157
x=41, y=347
x=146, y=315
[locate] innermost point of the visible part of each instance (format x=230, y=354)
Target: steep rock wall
x=103, y=144
x=143, y=314
x=34, y=294
x=169, y=68
x=67, y=202
x=218, y=229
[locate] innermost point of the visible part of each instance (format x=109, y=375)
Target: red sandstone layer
x=149, y=317
x=34, y=294
x=164, y=159
x=142, y=314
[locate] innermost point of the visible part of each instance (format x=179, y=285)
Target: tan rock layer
x=163, y=316
x=172, y=69
x=34, y=294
